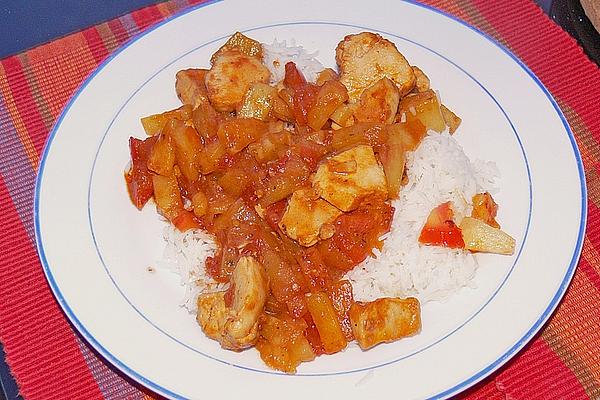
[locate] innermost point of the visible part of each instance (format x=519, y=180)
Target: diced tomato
x=314, y=270
x=440, y=229
x=356, y=234
x=304, y=93
x=139, y=178
x=274, y=213
x=186, y=220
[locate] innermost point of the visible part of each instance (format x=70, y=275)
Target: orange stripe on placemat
x=41, y=105
x=58, y=77
x=32, y=327
x=15, y=117
x=108, y=37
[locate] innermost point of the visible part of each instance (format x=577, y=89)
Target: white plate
x=95, y=247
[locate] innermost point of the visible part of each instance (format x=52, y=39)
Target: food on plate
x=309, y=208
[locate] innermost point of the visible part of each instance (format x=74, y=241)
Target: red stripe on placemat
x=95, y=44
x=23, y=99
x=146, y=17
x=541, y=375
x=29, y=329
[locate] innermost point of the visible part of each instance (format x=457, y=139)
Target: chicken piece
x=378, y=103
x=230, y=78
x=365, y=58
x=190, y=86
x=479, y=236
x=307, y=216
x=349, y=177
x=421, y=80
x=212, y=314
x=258, y=102
x=236, y=327
x=249, y=281
x=384, y=320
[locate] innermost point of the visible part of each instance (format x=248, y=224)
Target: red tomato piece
x=356, y=234
x=304, y=93
x=139, y=178
x=440, y=229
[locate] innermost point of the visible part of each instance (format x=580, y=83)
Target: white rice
x=438, y=171
x=277, y=54
x=185, y=255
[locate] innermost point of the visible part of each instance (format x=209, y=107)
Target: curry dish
x=295, y=180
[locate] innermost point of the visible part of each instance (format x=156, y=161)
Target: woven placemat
x=50, y=360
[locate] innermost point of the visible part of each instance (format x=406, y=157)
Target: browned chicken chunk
x=365, y=58
x=384, y=320
x=230, y=78
x=190, y=86
x=378, y=103
x=346, y=179
x=305, y=215
x=236, y=327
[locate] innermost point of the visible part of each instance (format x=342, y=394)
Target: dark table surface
x=29, y=23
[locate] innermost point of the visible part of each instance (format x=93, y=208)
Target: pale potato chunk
x=479, y=236
x=258, y=102
x=305, y=215
x=347, y=178
x=365, y=58
x=384, y=320
x=236, y=327
x=378, y=103
x=230, y=78
x=422, y=81
x=190, y=86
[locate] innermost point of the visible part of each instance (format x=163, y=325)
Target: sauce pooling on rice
x=296, y=183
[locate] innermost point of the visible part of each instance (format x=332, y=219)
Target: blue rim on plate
x=458, y=387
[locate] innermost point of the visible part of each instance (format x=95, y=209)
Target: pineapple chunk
x=479, y=236
x=451, y=119
x=258, y=102
x=304, y=216
x=425, y=108
x=347, y=179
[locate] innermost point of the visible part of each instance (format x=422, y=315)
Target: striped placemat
x=50, y=360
